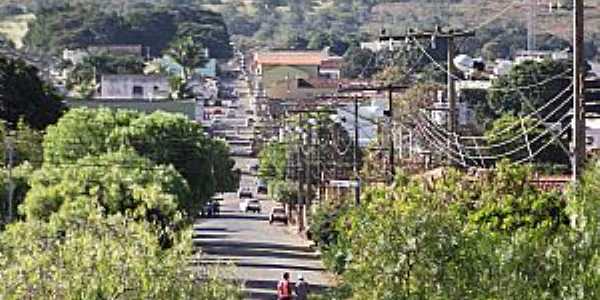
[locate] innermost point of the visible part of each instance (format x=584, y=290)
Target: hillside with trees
x=78, y=25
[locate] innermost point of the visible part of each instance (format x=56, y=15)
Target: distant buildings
x=117, y=50
x=132, y=87
x=280, y=69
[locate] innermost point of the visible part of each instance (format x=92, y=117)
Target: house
x=134, y=87
x=173, y=68
x=301, y=88
x=280, y=66
x=540, y=55
x=74, y=56
x=331, y=68
x=117, y=50
x=368, y=127
x=204, y=87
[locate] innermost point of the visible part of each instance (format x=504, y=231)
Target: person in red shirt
x=284, y=291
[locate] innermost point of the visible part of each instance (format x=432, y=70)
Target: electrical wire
x=456, y=77
x=498, y=15
x=515, y=150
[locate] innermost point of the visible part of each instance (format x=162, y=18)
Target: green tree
x=165, y=139
x=273, y=159
x=100, y=257
x=24, y=95
x=359, y=63
x=153, y=25
x=520, y=90
x=519, y=135
x=115, y=183
x=449, y=238
x=188, y=54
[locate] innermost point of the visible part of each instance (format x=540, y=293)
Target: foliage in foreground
x=163, y=138
x=500, y=238
x=119, y=183
x=100, y=257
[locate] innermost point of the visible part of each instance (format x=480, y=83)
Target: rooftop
x=291, y=57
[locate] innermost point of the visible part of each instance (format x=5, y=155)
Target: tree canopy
x=101, y=257
x=24, y=95
x=165, y=139
x=528, y=86
x=496, y=237
x=153, y=26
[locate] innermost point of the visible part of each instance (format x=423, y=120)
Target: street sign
x=343, y=183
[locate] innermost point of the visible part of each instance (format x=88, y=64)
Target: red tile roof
x=290, y=58
x=332, y=63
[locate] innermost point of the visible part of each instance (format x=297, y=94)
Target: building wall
x=135, y=50
x=281, y=91
x=134, y=87
x=272, y=74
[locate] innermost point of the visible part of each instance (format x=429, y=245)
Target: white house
x=134, y=87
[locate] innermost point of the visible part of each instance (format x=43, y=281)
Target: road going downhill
x=260, y=252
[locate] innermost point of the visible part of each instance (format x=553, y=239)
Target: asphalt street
x=259, y=252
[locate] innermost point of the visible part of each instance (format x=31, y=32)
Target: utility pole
x=531, y=24
x=391, y=134
x=578, y=74
x=308, y=174
x=10, y=152
x=449, y=35
x=451, y=85
x=355, y=155
x=301, y=174
x=388, y=113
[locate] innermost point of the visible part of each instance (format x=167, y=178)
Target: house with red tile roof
x=278, y=70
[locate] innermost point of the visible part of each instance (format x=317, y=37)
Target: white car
x=247, y=205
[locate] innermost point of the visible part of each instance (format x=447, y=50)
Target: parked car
x=244, y=193
x=252, y=168
x=250, y=205
x=210, y=208
x=261, y=187
x=278, y=214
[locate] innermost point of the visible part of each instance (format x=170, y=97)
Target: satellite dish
x=463, y=62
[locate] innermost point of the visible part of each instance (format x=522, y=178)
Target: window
x=138, y=90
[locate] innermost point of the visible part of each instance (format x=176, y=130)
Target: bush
x=453, y=238
x=100, y=258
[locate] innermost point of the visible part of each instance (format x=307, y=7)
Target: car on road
x=250, y=205
x=261, y=187
x=253, y=168
x=210, y=208
x=244, y=193
x=278, y=214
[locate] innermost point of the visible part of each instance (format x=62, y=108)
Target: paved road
x=260, y=252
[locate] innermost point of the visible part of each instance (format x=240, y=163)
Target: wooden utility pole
x=389, y=113
x=308, y=175
x=391, y=134
x=301, y=167
x=578, y=74
x=10, y=154
x=449, y=35
x=451, y=85
x=355, y=155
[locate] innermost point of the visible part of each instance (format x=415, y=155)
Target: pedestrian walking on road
x=301, y=288
x=284, y=291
